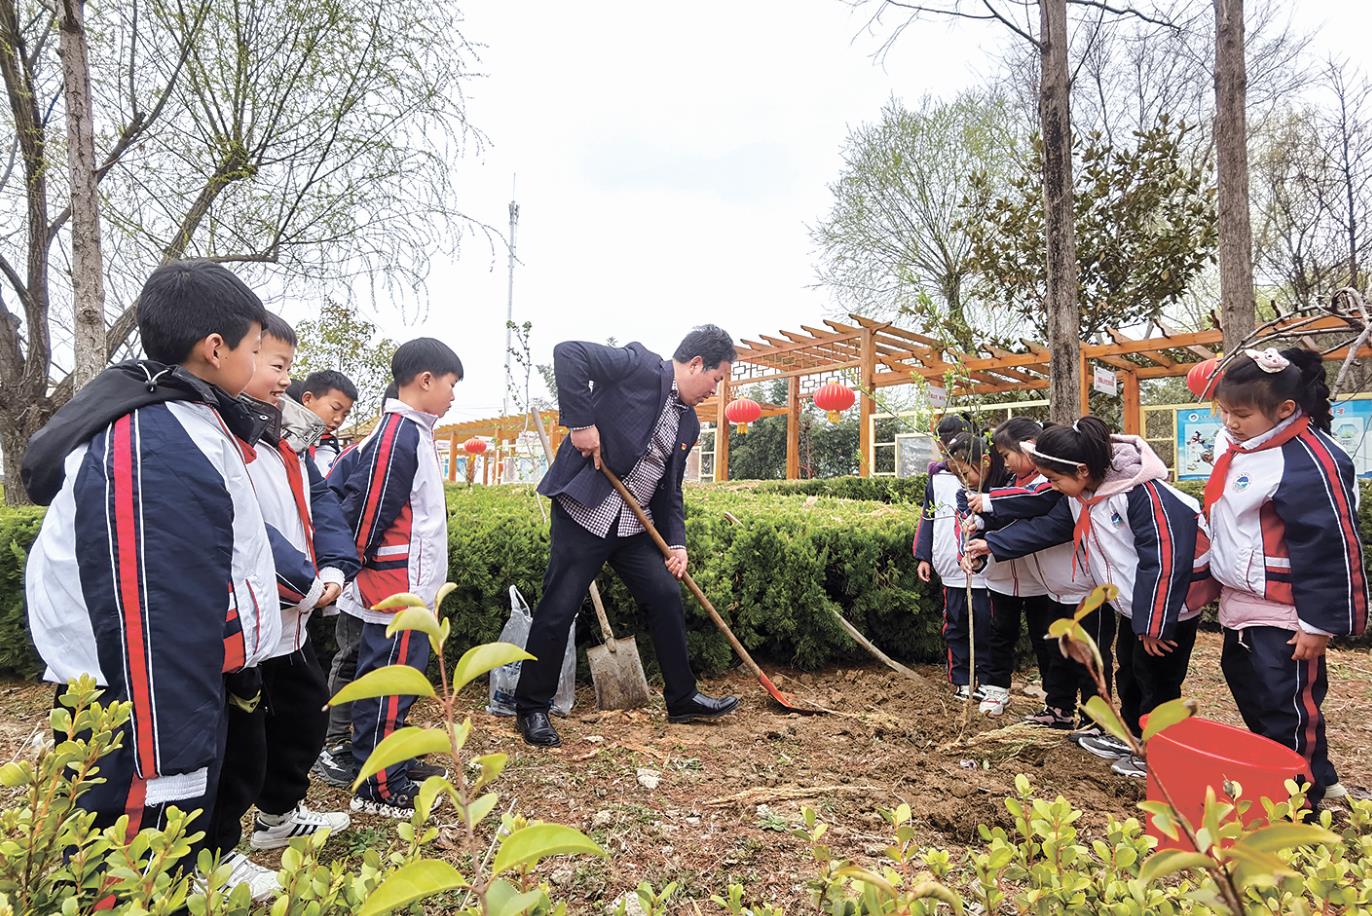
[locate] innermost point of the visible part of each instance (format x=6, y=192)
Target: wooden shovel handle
x=632, y=503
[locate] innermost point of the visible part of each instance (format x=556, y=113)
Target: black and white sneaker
x=400, y=806
x=1051, y=717
x=274, y=832
x=1131, y=766
x=335, y=766
x=1107, y=746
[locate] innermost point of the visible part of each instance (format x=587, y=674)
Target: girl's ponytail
x=1085, y=442
x=1314, y=390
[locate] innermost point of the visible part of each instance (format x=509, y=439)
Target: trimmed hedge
x=777, y=575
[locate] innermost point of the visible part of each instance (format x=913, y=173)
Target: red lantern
x=474, y=446
x=1203, y=378
x=834, y=398
x=742, y=411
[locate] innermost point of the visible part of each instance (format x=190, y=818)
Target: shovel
x=786, y=700
x=616, y=669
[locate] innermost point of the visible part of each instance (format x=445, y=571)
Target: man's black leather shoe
x=537, y=729
x=700, y=708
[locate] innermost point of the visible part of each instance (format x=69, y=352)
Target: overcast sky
x=670, y=158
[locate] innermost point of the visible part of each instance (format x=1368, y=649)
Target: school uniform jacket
x=1285, y=531
x=937, y=539
x=393, y=503
x=312, y=546
x=1062, y=581
x=153, y=573
x=324, y=453
x=1145, y=537
x=1017, y=578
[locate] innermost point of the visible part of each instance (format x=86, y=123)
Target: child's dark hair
x=953, y=425
x=1085, y=442
x=392, y=391
x=1015, y=430
x=321, y=383
x=423, y=354
x=971, y=448
x=183, y=303
x=1245, y=384
x=279, y=328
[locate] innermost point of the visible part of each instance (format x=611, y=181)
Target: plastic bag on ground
x=505, y=679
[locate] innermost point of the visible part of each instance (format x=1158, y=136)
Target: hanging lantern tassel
x=741, y=412
x=835, y=399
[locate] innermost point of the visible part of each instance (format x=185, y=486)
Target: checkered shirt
x=641, y=481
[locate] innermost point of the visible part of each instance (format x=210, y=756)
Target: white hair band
x=1028, y=446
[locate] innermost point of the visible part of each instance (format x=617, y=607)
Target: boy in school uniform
x=329, y=395
x=153, y=571
x=393, y=501
x=273, y=743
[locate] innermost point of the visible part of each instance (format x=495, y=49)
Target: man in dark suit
x=634, y=411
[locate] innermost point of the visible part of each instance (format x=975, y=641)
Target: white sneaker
x=995, y=701
x=261, y=881
x=300, y=822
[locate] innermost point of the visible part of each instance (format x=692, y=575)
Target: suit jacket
x=620, y=390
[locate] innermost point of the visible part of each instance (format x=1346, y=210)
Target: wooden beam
x=1085, y=385
x=793, y=428
x=452, y=458
x=722, y=434
x=866, y=387
x=1132, y=412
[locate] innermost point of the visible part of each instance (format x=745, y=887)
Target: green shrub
x=777, y=575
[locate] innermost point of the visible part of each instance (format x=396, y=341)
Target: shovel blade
x=618, y=675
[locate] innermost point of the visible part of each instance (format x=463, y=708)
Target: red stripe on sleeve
x=1165, y=559
x=376, y=485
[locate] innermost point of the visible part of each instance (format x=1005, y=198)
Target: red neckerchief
x=1083, y=528
x=297, y=483
x=1214, y=487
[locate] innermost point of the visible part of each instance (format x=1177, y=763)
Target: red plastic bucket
x=1197, y=754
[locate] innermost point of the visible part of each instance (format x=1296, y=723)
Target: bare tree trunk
x=87, y=276
x=1060, y=242
x=1237, y=306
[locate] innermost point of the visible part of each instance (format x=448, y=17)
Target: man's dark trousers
x=576, y=557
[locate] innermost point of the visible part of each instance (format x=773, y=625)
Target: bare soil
x=728, y=795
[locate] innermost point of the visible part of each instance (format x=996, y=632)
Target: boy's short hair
x=391, y=392
x=711, y=343
x=423, y=354
x=279, y=328
x=184, y=302
x=321, y=383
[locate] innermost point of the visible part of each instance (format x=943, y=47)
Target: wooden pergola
x=883, y=354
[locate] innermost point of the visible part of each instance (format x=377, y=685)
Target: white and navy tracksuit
x=1288, y=557
x=153, y=573
x=325, y=452
x=271, y=747
x=393, y=502
x=1147, y=538
x=938, y=542
x=1018, y=589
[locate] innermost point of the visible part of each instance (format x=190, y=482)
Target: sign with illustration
x=1196, y=428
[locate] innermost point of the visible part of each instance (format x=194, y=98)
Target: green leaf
x=13, y=775
x=1257, y=859
x=444, y=590
x=868, y=877
x=1284, y=836
x=400, y=600
x=478, y=660
x=477, y=810
x=1105, y=716
x=492, y=765
x=1167, y=715
x=392, y=680
x=1099, y=595
x=403, y=744
x=528, y=845
x=410, y=883
x=428, y=791
x=421, y=619
x=1170, y=861
x=504, y=899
